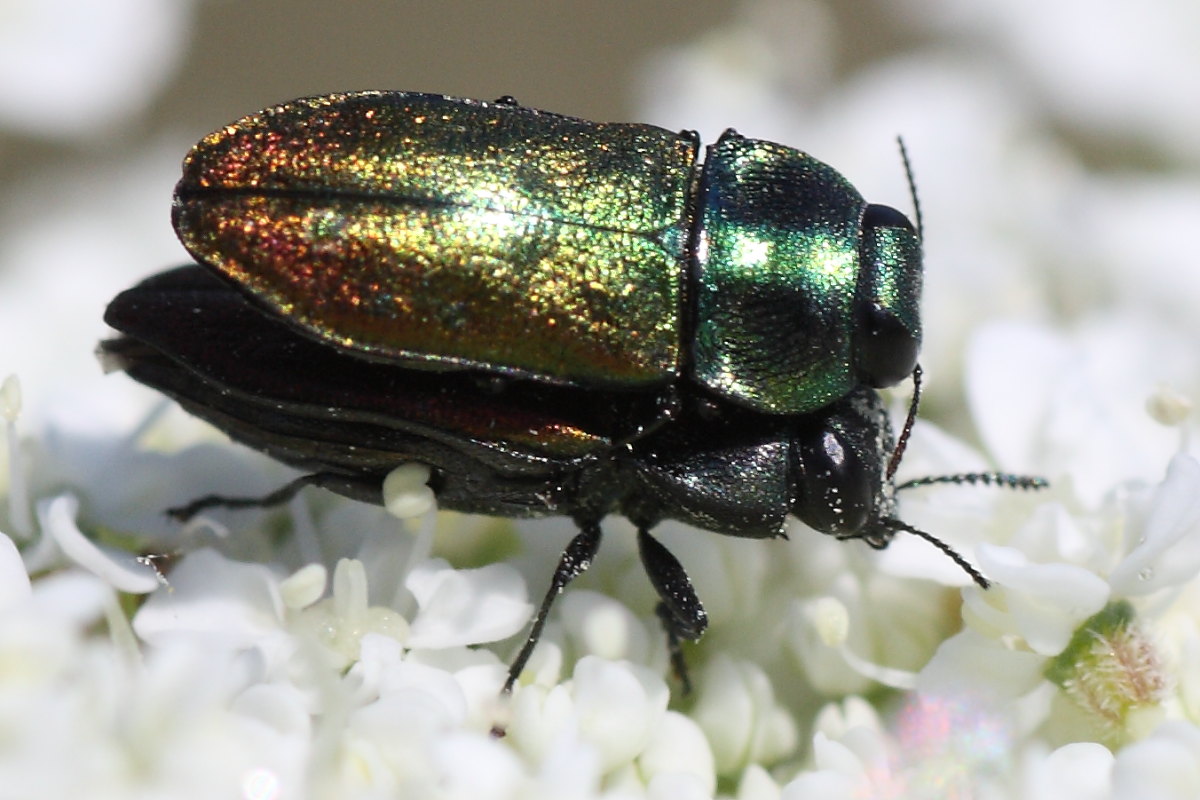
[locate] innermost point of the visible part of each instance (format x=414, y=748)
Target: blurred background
x=1056, y=150
x=1054, y=143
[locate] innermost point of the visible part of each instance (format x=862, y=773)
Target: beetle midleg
x=574, y=562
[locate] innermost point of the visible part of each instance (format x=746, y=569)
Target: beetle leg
x=277, y=497
x=673, y=586
x=680, y=610
x=674, y=647
x=574, y=562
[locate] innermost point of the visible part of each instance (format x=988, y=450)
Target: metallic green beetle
x=449, y=234
x=557, y=317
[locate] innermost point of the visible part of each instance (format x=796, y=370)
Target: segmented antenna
x=1003, y=480
x=976, y=575
x=909, y=421
x=912, y=188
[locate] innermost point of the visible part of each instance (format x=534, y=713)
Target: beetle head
x=842, y=486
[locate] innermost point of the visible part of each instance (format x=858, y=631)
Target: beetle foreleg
x=681, y=611
x=674, y=647
x=673, y=586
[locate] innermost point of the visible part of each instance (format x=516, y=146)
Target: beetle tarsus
x=674, y=647
x=679, y=608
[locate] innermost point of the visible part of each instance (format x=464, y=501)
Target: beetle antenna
x=912, y=188
x=1005, y=480
x=976, y=575
x=909, y=421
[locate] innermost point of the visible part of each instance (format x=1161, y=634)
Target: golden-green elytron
x=451, y=234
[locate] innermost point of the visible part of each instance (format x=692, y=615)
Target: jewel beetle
x=557, y=317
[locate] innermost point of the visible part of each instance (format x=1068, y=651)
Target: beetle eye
x=888, y=351
x=887, y=315
x=880, y=216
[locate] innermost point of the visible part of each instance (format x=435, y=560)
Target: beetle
x=558, y=317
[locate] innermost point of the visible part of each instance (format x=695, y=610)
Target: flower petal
x=14, y=581
x=1167, y=552
x=467, y=606
x=1045, y=602
x=216, y=599
x=119, y=569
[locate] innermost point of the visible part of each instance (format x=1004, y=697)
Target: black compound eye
x=880, y=216
x=887, y=349
x=887, y=307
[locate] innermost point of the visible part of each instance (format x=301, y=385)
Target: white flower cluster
x=329, y=650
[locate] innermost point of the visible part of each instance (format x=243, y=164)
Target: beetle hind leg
x=365, y=487
x=278, y=497
x=681, y=612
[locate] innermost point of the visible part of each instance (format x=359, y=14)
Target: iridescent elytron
x=452, y=234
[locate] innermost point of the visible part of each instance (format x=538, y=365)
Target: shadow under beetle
x=558, y=317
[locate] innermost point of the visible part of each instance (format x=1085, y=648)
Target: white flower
x=240, y=606
x=162, y=724
x=741, y=717
x=459, y=607
x=596, y=624
x=1081, y=770
x=1040, y=603
x=1163, y=766
x=1072, y=51
x=614, y=708
x=1076, y=402
x=852, y=757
